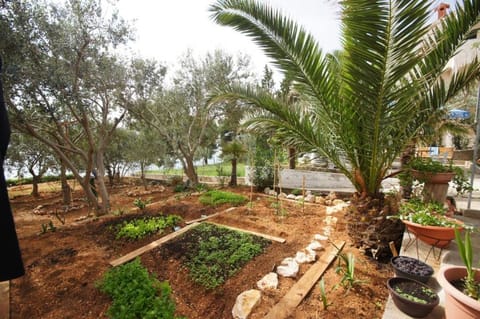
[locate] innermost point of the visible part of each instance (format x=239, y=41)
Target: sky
x=167, y=28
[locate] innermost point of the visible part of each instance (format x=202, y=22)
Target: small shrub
x=136, y=294
x=180, y=188
x=216, y=197
x=217, y=253
x=141, y=204
x=139, y=228
x=175, y=180
x=296, y=192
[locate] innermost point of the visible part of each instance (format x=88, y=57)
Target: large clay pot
x=457, y=304
x=436, y=185
x=437, y=236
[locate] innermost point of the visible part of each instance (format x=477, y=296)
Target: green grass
x=206, y=170
x=139, y=228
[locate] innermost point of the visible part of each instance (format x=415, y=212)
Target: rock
x=272, y=193
x=305, y=256
x=282, y=195
x=330, y=220
x=309, y=192
x=310, y=198
x=320, y=200
x=327, y=230
x=299, y=198
x=288, y=267
x=335, y=209
x=269, y=281
x=291, y=196
x=338, y=202
x=332, y=196
x=315, y=245
x=267, y=190
x=245, y=303
x=320, y=237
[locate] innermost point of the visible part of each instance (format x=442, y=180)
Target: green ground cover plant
x=139, y=228
x=205, y=170
x=216, y=197
x=136, y=294
x=215, y=253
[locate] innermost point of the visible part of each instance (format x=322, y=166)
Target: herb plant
x=139, y=228
x=141, y=204
x=217, y=253
x=216, y=197
x=427, y=214
x=136, y=294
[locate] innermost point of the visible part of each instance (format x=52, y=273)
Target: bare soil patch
x=63, y=266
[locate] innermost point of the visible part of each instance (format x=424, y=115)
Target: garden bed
x=64, y=265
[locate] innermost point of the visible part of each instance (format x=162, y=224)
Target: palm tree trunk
x=233, y=177
x=292, y=157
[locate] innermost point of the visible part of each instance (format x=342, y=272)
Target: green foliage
x=465, y=250
x=29, y=180
x=263, y=170
x=136, y=293
x=139, y=228
x=425, y=291
x=323, y=294
x=296, y=192
x=431, y=213
x=219, y=253
x=347, y=270
x=141, y=204
x=48, y=227
x=222, y=175
x=216, y=197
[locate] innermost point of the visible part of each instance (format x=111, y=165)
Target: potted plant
x=412, y=297
x=435, y=177
x=461, y=284
x=427, y=221
x=412, y=268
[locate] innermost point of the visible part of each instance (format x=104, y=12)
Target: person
x=451, y=206
x=11, y=265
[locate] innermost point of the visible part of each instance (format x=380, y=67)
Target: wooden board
x=274, y=238
x=209, y=216
x=295, y=295
x=150, y=246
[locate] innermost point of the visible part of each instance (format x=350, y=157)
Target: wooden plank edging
x=150, y=246
x=300, y=289
x=270, y=237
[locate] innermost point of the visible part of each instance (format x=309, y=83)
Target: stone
x=320, y=200
x=245, y=303
x=332, y=195
x=272, y=193
x=305, y=256
x=282, y=195
x=327, y=230
x=291, y=196
x=310, y=198
x=320, y=237
x=288, y=267
x=299, y=198
x=330, y=220
x=269, y=281
x=267, y=190
x=315, y=245
x=336, y=202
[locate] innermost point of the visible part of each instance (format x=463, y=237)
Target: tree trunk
x=406, y=157
x=102, y=189
x=142, y=175
x=35, y=180
x=292, y=157
x=233, y=177
x=189, y=169
x=66, y=190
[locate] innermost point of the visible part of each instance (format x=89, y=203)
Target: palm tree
x=233, y=150
x=368, y=102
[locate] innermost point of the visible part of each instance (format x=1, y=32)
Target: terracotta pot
x=437, y=236
x=433, y=178
x=457, y=304
x=408, y=306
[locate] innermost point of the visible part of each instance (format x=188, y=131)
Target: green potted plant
x=427, y=221
x=412, y=297
x=435, y=177
x=461, y=284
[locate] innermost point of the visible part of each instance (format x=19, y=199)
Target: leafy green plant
x=48, y=227
x=472, y=287
x=296, y=192
x=216, y=197
x=136, y=294
x=222, y=175
x=141, y=204
x=347, y=270
x=323, y=294
x=217, y=253
x=425, y=291
x=139, y=228
x=427, y=214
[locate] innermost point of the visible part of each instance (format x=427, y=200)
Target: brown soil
x=63, y=266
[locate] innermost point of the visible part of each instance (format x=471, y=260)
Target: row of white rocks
x=330, y=199
x=289, y=267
